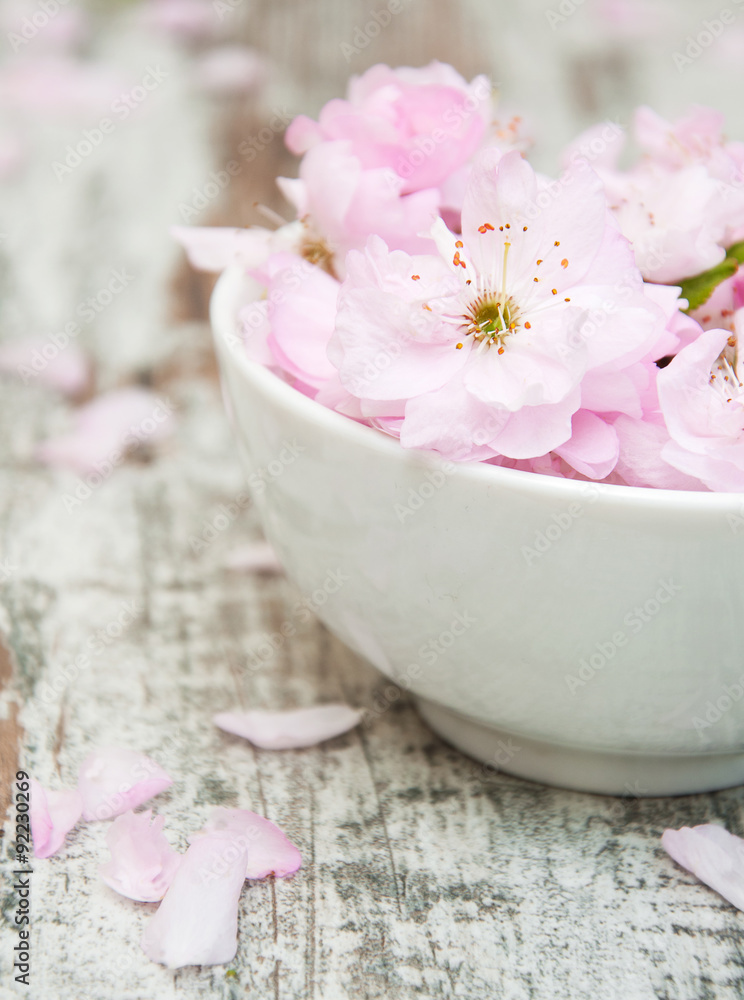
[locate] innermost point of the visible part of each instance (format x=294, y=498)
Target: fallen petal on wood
x=52, y=816
x=106, y=428
x=113, y=780
x=67, y=370
x=300, y=727
x=143, y=864
x=270, y=852
x=713, y=855
x=197, y=922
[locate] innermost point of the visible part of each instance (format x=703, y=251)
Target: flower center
x=492, y=316
x=490, y=319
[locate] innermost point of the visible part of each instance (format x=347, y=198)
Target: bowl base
x=604, y=772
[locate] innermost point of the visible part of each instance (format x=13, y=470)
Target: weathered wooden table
x=425, y=874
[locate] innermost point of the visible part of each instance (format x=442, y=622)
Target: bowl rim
x=231, y=287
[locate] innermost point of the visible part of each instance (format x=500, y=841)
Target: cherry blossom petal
x=293, y=729
x=52, y=816
x=113, y=780
x=143, y=864
x=537, y=429
x=713, y=855
x=106, y=428
x=443, y=421
x=640, y=462
x=197, y=922
x=255, y=557
x=269, y=851
x=302, y=313
x=67, y=370
x=214, y=249
x=593, y=447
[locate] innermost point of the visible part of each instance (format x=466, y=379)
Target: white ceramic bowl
x=582, y=635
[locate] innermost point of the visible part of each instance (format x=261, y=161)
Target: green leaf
x=698, y=289
x=737, y=252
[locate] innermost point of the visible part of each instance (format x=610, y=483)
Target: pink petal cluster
x=197, y=921
x=111, y=781
x=682, y=204
x=438, y=289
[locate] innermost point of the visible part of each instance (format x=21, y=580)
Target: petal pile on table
x=436, y=287
x=197, y=921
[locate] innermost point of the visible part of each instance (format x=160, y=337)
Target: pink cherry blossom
x=489, y=341
x=52, y=816
x=268, y=850
x=701, y=394
x=143, y=864
x=107, y=427
x=341, y=203
x=293, y=729
x=113, y=780
x=713, y=855
x=422, y=124
x=197, y=922
x=681, y=205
